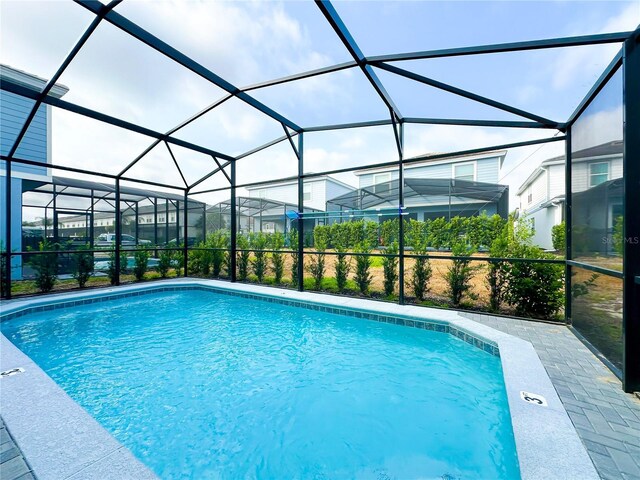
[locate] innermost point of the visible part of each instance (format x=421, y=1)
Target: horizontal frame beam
x=577, y=41
x=167, y=50
x=87, y=112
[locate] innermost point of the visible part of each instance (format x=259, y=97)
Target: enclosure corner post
x=567, y=227
x=234, y=225
x=185, y=229
x=118, y=233
x=401, y=217
x=631, y=244
x=7, y=230
x=300, y=247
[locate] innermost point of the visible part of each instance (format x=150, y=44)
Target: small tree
x=558, y=237
x=141, y=261
x=363, y=267
x=243, y=257
x=259, y=263
x=316, y=262
x=218, y=242
x=421, y=273
x=277, y=257
x=390, y=268
x=618, y=235
x=164, y=263
x=293, y=244
x=46, y=266
x=82, y=266
x=497, y=271
x=459, y=274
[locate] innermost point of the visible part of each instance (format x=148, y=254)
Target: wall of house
x=535, y=193
x=487, y=170
x=13, y=113
x=543, y=220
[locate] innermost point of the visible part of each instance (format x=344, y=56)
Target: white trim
x=456, y=165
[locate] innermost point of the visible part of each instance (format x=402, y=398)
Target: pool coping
x=60, y=439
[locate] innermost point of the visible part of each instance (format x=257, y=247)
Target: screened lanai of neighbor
x=320, y=129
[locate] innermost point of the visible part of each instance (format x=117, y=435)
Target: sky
x=249, y=42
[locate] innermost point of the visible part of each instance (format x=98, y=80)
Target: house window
x=306, y=192
x=381, y=183
x=598, y=173
x=465, y=171
x=529, y=198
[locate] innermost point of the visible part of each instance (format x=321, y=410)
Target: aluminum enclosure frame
x=226, y=164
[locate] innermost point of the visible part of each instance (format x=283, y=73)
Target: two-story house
x=35, y=146
x=460, y=185
x=597, y=195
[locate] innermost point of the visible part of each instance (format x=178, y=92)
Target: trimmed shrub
x=46, y=266
x=458, y=275
x=363, y=267
x=390, y=268
x=243, y=257
x=82, y=266
x=316, y=261
x=558, y=237
x=164, y=263
x=218, y=242
x=293, y=243
x=141, y=259
x=277, y=257
x=259, y=263
x=112, y=273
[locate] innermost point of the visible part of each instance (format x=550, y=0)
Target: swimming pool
x=226, y=387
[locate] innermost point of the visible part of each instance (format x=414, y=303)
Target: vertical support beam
x=137, y=220
x=166, y=223
x=7, y=272
x=92, y=213
x=118, y=232
x=155, y=224
x=400, y=216
x=300, y=210
x=631, y=252
x=204, y=222
x=234, y=224
x=185, y=230
x=55, y=214
x=567, y=227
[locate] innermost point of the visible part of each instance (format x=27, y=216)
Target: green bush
x=141, y=262
x=389, y=231
x=259, y=243
x=342, y=268
x=199, y=261
x=390, y=268
x=417, y=237
x=558, y=237
x=618, y=235
x=317, y=261
x=218, y=242
x=277, y=257
x=112, y=272
x=82, y=266
x=243, y=257
x=458, y=275
x=293, y=243
x=164, y=263
x=497, y=279
x=363, y=267
x=46, y=266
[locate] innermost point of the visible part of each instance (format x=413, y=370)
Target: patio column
x=300, y=210
x=234, y=224
x=400, y=216
x=117, y=231
x=631, y=244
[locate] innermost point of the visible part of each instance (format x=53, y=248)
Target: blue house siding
x=16, y=222
x=13, y=112
x=487, y=170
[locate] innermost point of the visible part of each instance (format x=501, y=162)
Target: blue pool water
x=204, y=385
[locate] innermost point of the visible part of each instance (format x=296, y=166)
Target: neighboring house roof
x=439, y=158
x=603, y=150
x=328, y=178
x=28, y=80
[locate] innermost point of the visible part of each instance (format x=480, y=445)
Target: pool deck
x=606, y=420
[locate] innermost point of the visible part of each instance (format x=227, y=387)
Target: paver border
x=547, y=443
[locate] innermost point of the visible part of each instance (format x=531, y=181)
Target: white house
x=542, y=195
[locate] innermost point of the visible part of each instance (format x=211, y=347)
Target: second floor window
x=306, y=192
x=381, y=183
x=465, y=171
x=598, y=173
